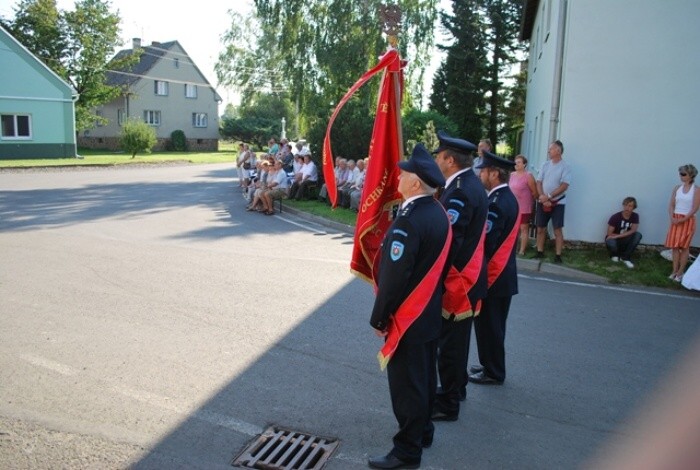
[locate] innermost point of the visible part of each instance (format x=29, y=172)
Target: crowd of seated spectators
x=349, y=179
x=286, y=170
x=267, y=177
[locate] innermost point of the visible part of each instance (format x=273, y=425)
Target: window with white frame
x=199, y=119
x=151, y=117
x=190, y=91
x=161, y=88
x=16, y=126
x=121, y=116
x=99, y=122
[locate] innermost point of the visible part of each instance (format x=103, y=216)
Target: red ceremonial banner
x=380, y=191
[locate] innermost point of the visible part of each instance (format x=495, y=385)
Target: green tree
x=416, y=122
x=40, y=27
x=252, y=130
x=514, y=110
x=178, y=141
x=502, y=22
x=314, y=50
x=260, y=118
x=92, y=38
x=351, y=132
x=137, y=136
x=230, y=112
x=459, y=85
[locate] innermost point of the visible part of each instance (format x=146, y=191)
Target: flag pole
x=391, y=25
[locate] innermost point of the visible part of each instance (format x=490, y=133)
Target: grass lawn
x=228, y=152
x=650, y=268
x=320, y=209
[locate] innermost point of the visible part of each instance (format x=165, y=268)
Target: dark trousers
x=623, y=247
x=412, y=383
x=300, y=190
x=453, y=350
x=490, y=333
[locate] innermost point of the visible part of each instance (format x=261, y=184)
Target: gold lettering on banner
x=377, y=193
x=385, y=107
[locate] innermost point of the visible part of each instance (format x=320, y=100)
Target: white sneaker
x=614, y=259
x=678, y=278
x=628, y=263
x=672, y=276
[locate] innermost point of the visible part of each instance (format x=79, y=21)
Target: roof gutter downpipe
x=558, y=66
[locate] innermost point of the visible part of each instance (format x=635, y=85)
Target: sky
x=197, y=29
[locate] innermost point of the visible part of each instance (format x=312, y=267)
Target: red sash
x=413, y=305
x=455, y=300
x=500, y=258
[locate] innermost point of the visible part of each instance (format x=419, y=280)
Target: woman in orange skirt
x=685, y=202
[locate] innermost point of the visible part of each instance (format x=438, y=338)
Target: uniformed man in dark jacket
x=407, y=308
x=502, y=277
x=465, y=201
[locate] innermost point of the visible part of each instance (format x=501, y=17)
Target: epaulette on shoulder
x=406, y=211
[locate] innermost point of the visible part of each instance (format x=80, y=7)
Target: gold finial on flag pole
x=391, y=22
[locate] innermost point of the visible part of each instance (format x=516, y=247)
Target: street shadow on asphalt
x=575, y=370
x=60, y=207
x=576, y=373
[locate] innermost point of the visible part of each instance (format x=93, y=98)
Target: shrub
x=178, y=142
x=137, y=136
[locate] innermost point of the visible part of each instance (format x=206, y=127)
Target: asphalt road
x=148, y=321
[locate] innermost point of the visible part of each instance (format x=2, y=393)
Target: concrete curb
x=347, y=229
x=539, y=266
x=524, y=264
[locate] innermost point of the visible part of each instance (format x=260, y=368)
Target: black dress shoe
x=476, y=368
x=391, y=461
x=441, y=416
x=483, y=379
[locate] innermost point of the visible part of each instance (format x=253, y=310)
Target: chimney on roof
x=155, y=43
x=136, y=43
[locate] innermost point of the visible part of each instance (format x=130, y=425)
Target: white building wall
x=627, y=101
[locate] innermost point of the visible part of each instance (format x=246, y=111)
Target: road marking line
x=228, y=422
x=305, y=227
x=49, y=364
x=603, y=286
x=210, y=417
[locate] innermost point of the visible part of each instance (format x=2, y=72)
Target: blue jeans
x=623, y=247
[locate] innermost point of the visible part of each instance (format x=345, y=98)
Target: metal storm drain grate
x=278, y=448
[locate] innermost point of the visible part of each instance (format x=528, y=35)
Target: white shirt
x=684, y=201
x=451, y=178
x=497, y=187
x=308, y=171
x=413, y=198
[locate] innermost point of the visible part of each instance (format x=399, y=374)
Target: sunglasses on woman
x=683, y=174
